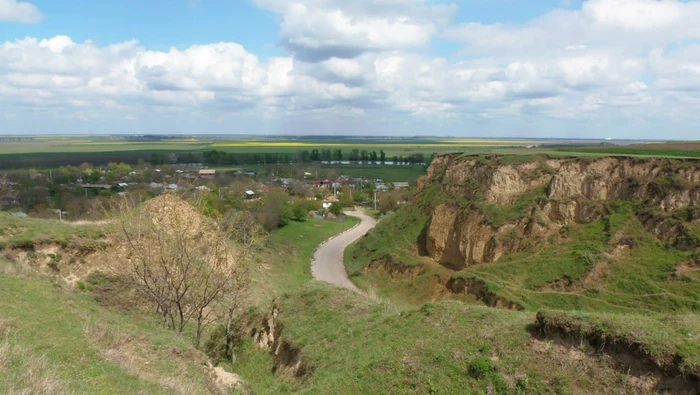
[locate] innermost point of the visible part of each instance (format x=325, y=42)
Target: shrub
x=53, y=265
x=481, y=367
x=81, y=285
x=427, y=309
x=335, y=208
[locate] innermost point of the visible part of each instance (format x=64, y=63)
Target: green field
x=391, y=147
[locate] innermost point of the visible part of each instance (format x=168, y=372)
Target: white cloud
x=316, y=30
x=609, y=64
x=19, y=11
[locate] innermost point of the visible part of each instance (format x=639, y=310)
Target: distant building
x=207, y=173
x=400, y=185
x=249, y=195
x=380, y=186
x=19, y=214
x=155, y=185
x=203, y=188
x=322, y=183
x=173, y=187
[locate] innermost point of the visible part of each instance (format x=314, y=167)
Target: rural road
x=327, y=264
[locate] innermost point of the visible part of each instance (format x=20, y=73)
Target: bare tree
x=180, y=260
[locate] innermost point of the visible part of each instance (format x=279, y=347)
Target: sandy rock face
x=576, y=191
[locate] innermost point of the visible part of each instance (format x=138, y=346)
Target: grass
x=637, y=151
x=578, y=268
x=26, y=232
x=55, y=341
x=443, y=346
x=286, y=263
x=641, y=280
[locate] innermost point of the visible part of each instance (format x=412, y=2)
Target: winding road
x=327, y=264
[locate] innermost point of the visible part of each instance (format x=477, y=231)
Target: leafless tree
x=180, y=260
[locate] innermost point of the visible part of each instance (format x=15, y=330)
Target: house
x=381, y=186
x=122, y=185
x=155, y=185
x=173, y=187
x=203, y=188
x=207, y=173
x=400, y=185
x=322, y=183
x=249, y=195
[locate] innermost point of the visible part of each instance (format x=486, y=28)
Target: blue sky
x=494, y=68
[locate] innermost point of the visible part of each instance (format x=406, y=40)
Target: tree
x=373, y=157
x=315, y=157
x=364, y=156
x=7, y=190
x=179, y=260
x=336, y=208
x=382, y=156
x=338, y=154
x=355, y=155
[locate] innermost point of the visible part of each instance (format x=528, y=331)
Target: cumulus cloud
x=19, y=11
x=60, y=72
x=316, y=30
x=607, y=64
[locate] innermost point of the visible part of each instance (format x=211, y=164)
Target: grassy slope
x=286, y=263
x=637, y=151
x=640, y=279
x=357, y=345
x=23, y=232
x=52, y=341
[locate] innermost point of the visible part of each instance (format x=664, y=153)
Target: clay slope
x=490, y=207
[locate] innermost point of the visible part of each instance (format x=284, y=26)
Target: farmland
x=233, y=151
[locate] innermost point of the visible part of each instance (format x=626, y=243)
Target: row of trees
x=323, y=155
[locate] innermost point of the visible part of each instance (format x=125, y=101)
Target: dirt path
x=327, y=263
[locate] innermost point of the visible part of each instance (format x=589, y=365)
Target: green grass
x=444, y=346
x=676, y=153
x=641, y=280
x=286, y=262
x=62, y=342
x=27, y=231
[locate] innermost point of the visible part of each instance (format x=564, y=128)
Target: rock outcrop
x=485, y=208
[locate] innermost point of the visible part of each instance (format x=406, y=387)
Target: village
x=75, y=193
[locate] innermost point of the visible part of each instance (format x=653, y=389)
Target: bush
x=53, y=265
x=335, y=208
x=481, y=367
x=427, y=309
x=97, y=278
x=81, y=285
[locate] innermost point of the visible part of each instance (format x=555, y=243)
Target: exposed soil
x=288, y=359
x=479, y=289
x=651, y=374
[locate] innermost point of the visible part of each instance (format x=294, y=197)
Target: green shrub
x=97, y=278
x=53, y=265
x=481, y=367
x=81, y=285
x=427, y=309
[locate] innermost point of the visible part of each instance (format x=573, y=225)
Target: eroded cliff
x=489, y=207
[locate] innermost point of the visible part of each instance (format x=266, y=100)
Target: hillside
x=607, y=234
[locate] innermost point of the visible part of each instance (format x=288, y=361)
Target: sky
x=466, y=68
